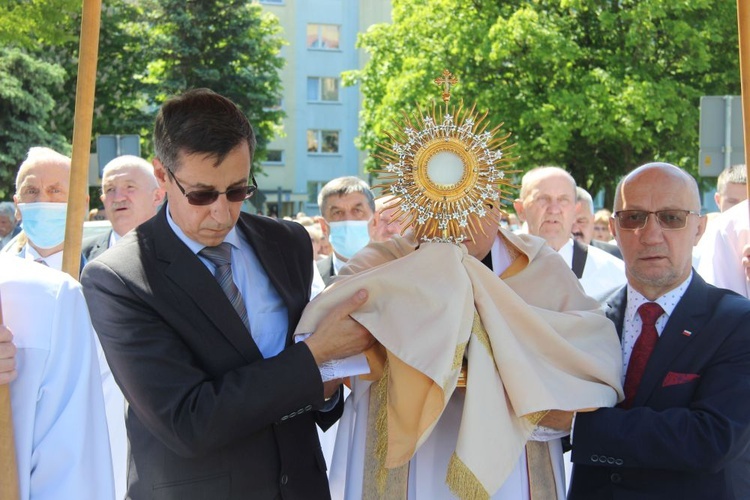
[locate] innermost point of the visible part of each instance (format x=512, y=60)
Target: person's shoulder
x=272, y=227
x=17, y=271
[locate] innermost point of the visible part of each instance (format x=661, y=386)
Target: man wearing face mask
x=42, y=202
x=347, y=206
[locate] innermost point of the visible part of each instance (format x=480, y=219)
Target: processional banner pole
x=8, y=466
x=743, y=29
x=84, y=112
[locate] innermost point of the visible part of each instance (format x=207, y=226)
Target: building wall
x=302, y=173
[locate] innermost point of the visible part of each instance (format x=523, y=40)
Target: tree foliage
x=229, y=46
x=148, y=50
x=25, y=106
x=595, y=86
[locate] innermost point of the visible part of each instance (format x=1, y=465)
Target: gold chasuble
x=532, y=341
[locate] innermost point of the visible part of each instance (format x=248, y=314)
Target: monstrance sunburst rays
x=444, y=166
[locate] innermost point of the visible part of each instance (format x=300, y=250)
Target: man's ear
x=518, y=206
x=324, y=226
x=160, y=172
x=18, y=212
x=717, y=199
x=613, y=227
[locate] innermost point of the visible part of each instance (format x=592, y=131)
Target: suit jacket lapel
x=189, y=274
x=691, y=313
x=273, y=259
x=615, y=308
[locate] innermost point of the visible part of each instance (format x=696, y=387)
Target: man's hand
x=338, y=335
x=746, y=260
x=7, y=356
x=558, y=420
x=330, y=387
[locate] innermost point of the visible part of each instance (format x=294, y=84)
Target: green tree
x=229, y=46
x=595, y=86
x=25, y=106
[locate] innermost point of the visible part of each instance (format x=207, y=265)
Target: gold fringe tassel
x=462, y=482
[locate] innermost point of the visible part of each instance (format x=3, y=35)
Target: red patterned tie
x=644, y=346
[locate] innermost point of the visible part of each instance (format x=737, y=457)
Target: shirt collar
x=566, y=252
x=232, y=237
x=668, y=301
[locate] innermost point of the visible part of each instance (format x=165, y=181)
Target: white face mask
x=349, y=236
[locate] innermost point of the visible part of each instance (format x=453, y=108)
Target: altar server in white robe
x=60, y=428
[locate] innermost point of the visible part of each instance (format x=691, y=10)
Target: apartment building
x=322, y=119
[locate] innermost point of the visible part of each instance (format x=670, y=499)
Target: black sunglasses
x=206, y=197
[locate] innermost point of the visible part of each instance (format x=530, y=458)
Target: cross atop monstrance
x=446, y=81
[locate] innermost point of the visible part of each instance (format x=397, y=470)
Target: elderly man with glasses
x=684, y=425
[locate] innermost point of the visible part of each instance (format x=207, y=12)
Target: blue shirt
x=266, y=311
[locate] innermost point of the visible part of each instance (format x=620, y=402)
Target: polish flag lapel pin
x=687, y=333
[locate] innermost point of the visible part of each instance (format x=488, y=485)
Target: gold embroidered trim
x=478, y=331
x=536, y=417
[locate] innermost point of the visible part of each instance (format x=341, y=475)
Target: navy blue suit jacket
x=690, y=420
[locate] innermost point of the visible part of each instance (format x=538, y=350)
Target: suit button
x=594, y=458
x=284, y=479
x=308, y=407
x=602, y=459
x=615, y=478
x=618, y=461
x=610, y=460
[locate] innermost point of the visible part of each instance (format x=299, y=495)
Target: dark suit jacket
x=607, y=247
x=208, y=417
x=94, y=246
x=690, y=418
x=325, y=267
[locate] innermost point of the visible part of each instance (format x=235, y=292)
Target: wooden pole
x=8, y=466
x=743, y=29
x=78, y=194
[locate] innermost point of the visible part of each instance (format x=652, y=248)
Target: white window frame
x=318, y=44
x=319, y=133
x=319, y=89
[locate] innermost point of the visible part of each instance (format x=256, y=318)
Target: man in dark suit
x=685, y=421
x=130, y=195
x=347, y=207
x=195, y=310
x=583, y=227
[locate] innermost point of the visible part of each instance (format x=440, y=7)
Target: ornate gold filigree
x=444, y=168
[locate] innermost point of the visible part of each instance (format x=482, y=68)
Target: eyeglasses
x=206, y=197
x=668, y=219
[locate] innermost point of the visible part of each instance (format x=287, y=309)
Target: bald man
x=547, y=203
x=685, y=421
x=131, y=196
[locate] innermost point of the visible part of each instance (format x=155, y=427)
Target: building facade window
x=322, y=89
x=322, y=141
x=274, y=157
x=323, y=36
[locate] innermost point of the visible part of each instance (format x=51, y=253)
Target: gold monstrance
x=445, y=169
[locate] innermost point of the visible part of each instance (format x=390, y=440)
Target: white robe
x=720, y=250
x=60, y=428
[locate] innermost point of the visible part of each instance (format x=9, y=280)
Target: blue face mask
x=44, y=223
x=349, y=237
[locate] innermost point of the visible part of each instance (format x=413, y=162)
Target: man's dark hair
x=200, y=121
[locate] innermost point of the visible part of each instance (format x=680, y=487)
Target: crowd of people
x=192, y=362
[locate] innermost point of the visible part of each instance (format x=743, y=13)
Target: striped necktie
x=221, y=256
